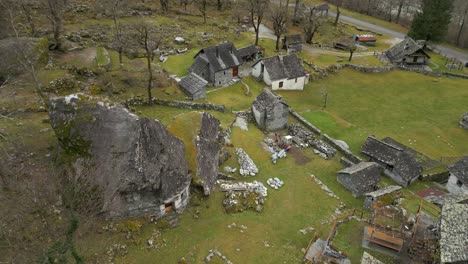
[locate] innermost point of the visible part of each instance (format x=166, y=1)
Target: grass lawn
x=439, y=62
x=422, y=112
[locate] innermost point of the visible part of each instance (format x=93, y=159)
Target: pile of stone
x=62, y=84
x=214, y=253
x=275, y=183
x=278, y=155
x=464, y=121
x=246, y=165
x=255, y=186
x=244, y=196
x=303, y=138
x=324, y=187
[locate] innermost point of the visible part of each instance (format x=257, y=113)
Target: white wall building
x=458, y=180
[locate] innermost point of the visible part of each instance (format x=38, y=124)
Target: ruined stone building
x=193, y=86
x=454, y=233
x=125, y=165
x=281, y=72
x=458, y=180
x=371, y=198
x=398, y=163
x=408, y=53
x=292, y=43
x=219, y=64
x=360, y=178
x=270, y=112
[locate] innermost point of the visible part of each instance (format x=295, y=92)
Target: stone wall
x=455, y=188
x=346, y=152
x=306, y=123
x=176, y=104
x=223, y=77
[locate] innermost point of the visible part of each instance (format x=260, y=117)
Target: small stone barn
x=270, y=112
x=458, y=180
x=360, y=178
x=454, y=233
x=193, y=86
x=281, y=72
x=374, y=197
x=368, y=40
x=249, y=53
x=292, y=43
x=398, y=163
x=407, y=53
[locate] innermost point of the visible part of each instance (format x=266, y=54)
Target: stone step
x=172, y=219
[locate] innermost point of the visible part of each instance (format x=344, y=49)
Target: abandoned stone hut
x=193, y=86
x=408, y=53
x=270, y=112
x=454, y=233
x=398, y=163
x=360, y=178
x=458, y=180
x=292, y=43
x=281, y=72
x=218, y=65
x=374, y=197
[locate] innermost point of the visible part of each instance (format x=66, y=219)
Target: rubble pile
x=244, y=196
x=246, y=165
x=275, y=183
x=303, y=138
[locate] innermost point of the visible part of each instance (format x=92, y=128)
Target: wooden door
x=235, y=71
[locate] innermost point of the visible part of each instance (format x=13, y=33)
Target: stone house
x=218, y=65
x=292, y=43
x=193, y=86
x=458, y=180
x=408, y=53
x=454, y=233
x=270, y=112
x=398, y=163
x=281, y=72
x=360, y=178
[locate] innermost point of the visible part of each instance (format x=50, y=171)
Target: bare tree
x=352, y=48
x=461, y=17
x=55, y=12
x=219, y=4
x=311, y=22
x=145, y=36
x=203, y=8
x=324, y=95
x=185, y=3
x=279, y=18
x=401, y=3
x=338, y=4
x=257, y=9
x=120, y=41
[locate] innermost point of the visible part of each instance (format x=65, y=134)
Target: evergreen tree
x=432, y=23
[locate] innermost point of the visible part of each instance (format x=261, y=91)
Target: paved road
x=445, y=50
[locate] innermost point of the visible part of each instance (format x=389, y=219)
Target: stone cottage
x=454, y=233
x=360, y=178
x=458, y=180
x=193, y=86
x=219, y=64
x=281, y=72
x=408, y=53
x=398, y=163
x=292, y=43
x=270, y=112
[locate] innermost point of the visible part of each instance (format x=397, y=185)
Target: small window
x=459, y=183
x=296, y=80
x=219, y=82
x=281, y=85
x=224, y=72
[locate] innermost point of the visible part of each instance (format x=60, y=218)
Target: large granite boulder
x=127, y=165
x=210, y=142
x=464, y=121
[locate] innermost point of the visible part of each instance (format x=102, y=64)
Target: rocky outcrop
x=131, y=164
x=210, y=142
x=464, y=121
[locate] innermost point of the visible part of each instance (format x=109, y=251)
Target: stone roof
x=460, y=170
x=192, y=83
x=267, y=100
x=447, y=198
x=220, y=57
x=402, y=161
x=247, y=51
x=383, y=191
x=454, y=233
x=199, y=65
x=360, y=178
x=283, y=67
x=405, y=48
x=293, y=39
x=356, y=168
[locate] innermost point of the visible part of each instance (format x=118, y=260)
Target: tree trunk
x=338, y=12
x=400, y=7
x=462, y=26
x=27, y=13
x=120, y=56
x=296, y=11
x=308, y=38
x=204, y=18
x=369, y=3
x=277, y=41
x=57, y=29
x=150, y=78
x=220, y=5
x=351, y=52
x=256, y=36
